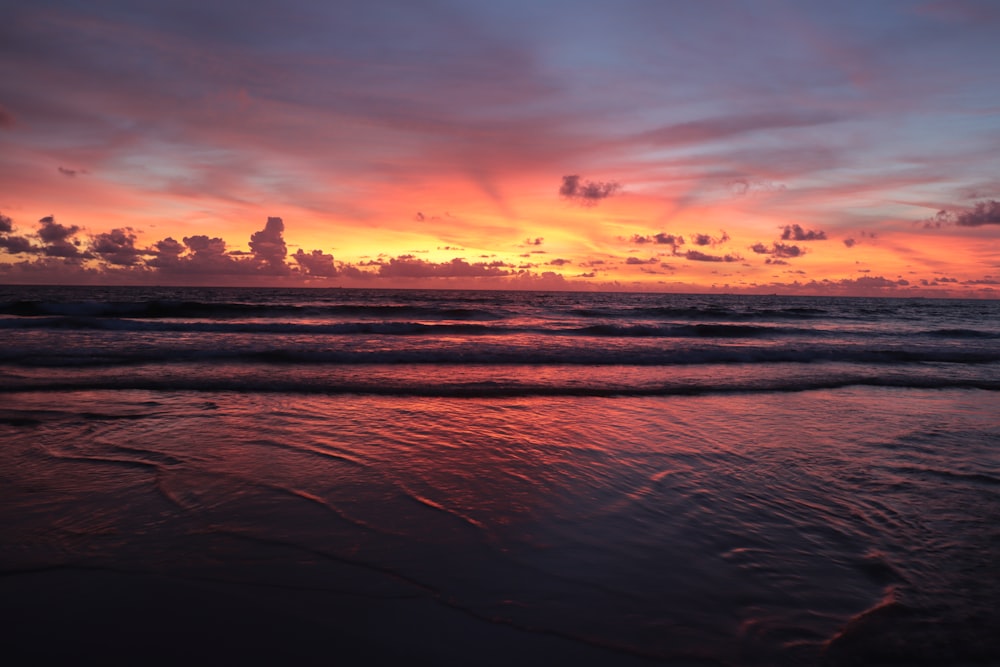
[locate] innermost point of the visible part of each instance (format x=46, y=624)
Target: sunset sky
x=766, y=146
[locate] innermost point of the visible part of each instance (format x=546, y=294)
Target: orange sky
x=795, y=148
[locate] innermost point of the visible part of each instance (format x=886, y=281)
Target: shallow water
x=762, y=529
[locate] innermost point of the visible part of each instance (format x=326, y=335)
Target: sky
x=766, y=146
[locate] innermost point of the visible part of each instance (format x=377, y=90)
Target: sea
x=342, y=476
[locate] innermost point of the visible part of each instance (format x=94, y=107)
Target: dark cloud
x=166, y=253
x=407, y=266
x=116, y=247
x=983, y=213
x=796, y=233
x=268, y=246
x=535, y=241
x=206, y=255
x=17, y=244
x=58, y=239
x=778, y=250
x=850, y=243
x=697, y=256
x=876, y=282
x=588, y=193
x=939, y=281
x=661, y=238
x=70, y=172
x=200, y=244
x=708, y=239
x=419, y=217
x=53, y=232
x=316, y=263
x=560, y=262
x=6, y=224
x=636, y=261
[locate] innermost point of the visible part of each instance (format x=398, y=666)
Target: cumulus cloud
x=200, y=244
x=315, y=263
x=778, y=250
x=116, y=247
x=166, y=253
x=983, y=213
x=708, y=239
x=12, y=243
x=206, y=255
x=53, y=232
x=58, y=239
x=268, y=246
x=407, y=266
x=661, y=238
x=797, y=233
x=6, y=224
x=698, y=256
x=587, y=193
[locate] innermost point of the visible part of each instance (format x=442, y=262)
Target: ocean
x=337, y=476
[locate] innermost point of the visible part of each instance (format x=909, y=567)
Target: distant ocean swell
x=487, y=343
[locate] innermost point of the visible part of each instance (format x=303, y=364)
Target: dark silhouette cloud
x=6, y=224
x=53, y=232
x=698, y=256
x=58, y=239
x=634, y=261
x=797, y=233
x=201, y=244
x=315, y=263
x=116, y=247
x=206, y=255
x=588, y=193
x=708, y=239
x=778, y=250
x=407, y=266
x=535, y=241
x=850, y=243
x=559, y=262
x=983, y=213
x=661, y=238
x=166, y=254
x=17, y=244
x=268, y=246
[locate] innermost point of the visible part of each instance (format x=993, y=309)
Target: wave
x=574, y=354
x=960, y=333
x=397, y=328
x=161, y=309
x=704, y=313
x=495, y=389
